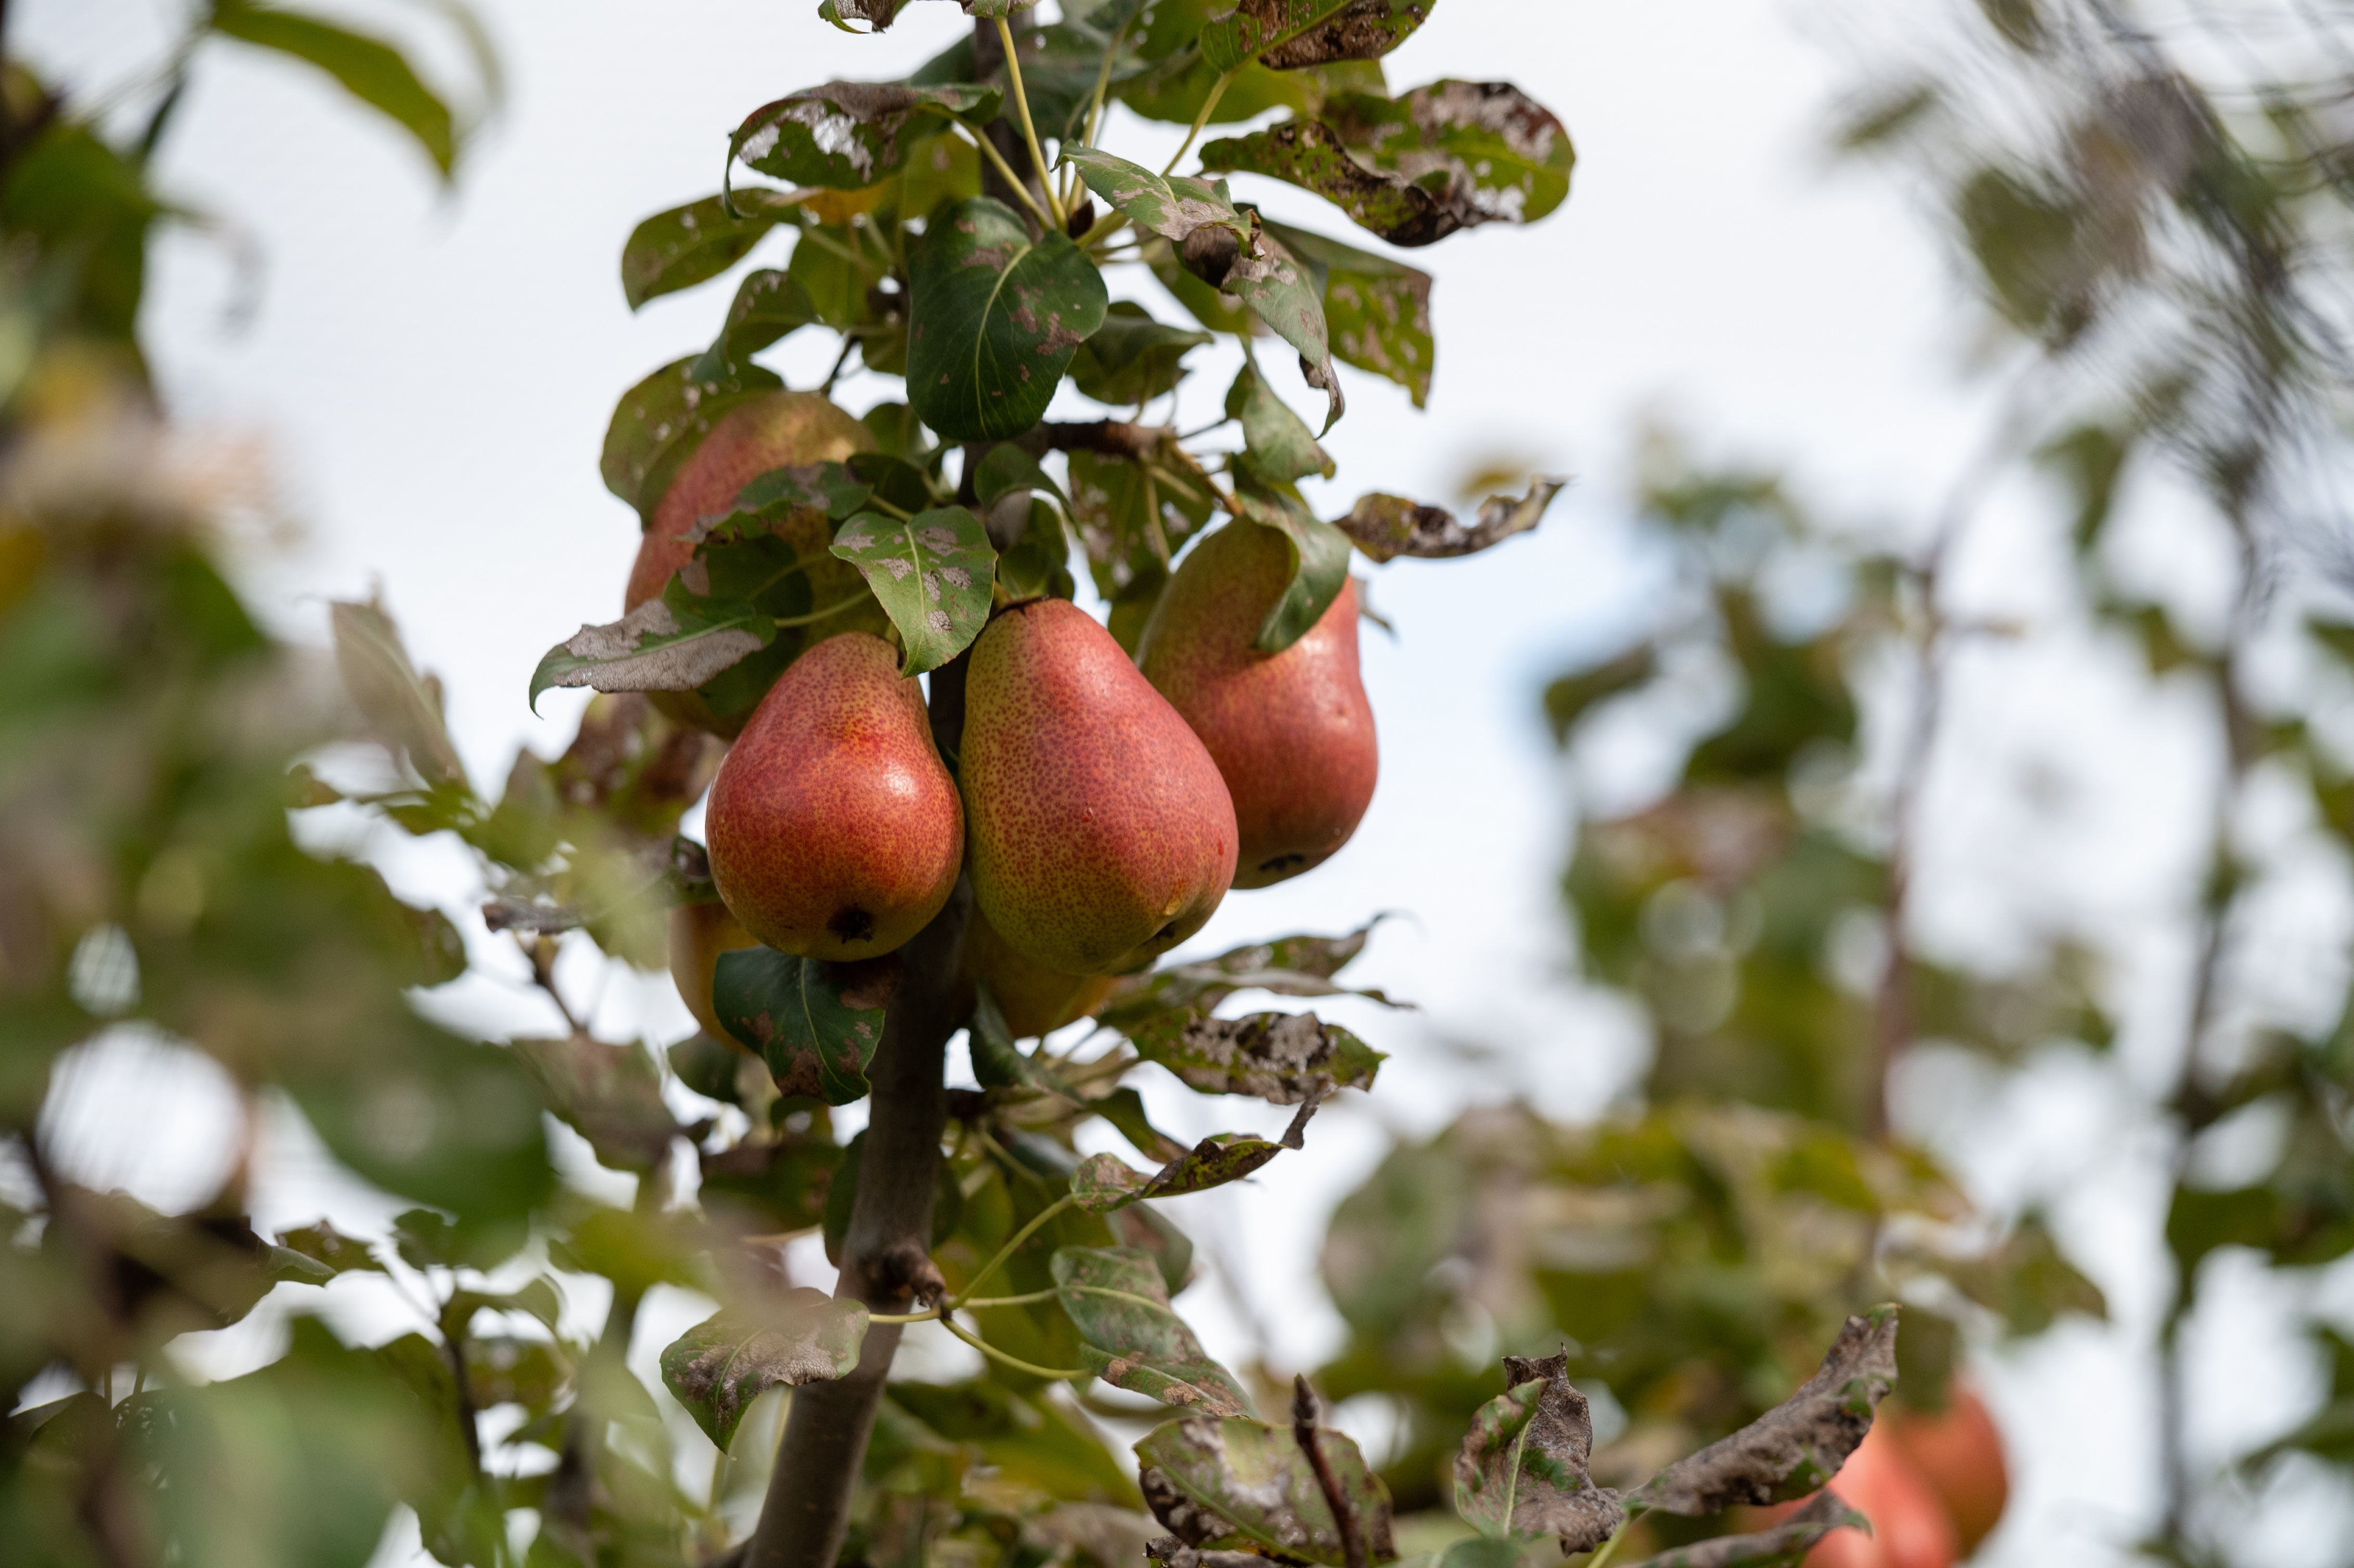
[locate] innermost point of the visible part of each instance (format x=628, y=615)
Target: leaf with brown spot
x=1288, y=966
x=1131, y=1339
x=932, y=574
x=849, y=135
x=1282, y=1057
x=1240, y=1484
x=995, y=318
x=1384, y=526
x=1785, y=1545
x=1376, y=310
x=672, y=643
x=717, y=1368
x=816, y=1024
x=1523, y=1472
x=1797, y=1446
x=1104, y=1182
x=1285, y=35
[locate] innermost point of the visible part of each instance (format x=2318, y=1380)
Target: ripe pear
x=699, y=933
x=780, y=429
x=1958, y=1451
x=1032, y=999
x=835, y=831
x=1291, y=732
x=1102, y=835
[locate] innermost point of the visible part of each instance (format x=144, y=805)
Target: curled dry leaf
x=1797, y=1446
x=1240, y=1484
x=717, y=1368
x=1104, y=1182
x=1118, y=1298
x=1785, y=1545
x=1388, y=526
x=657, y=647
x=1288, y=966
x=1523, y=1468
x=1282, y=1057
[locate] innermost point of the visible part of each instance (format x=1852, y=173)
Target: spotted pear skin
x=835, y=831
x=780, y=429
x=1101, y=833
x=1293, y=731
x=1032, y=999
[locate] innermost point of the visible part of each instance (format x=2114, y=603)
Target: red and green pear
x=1102, y=835
x=1292, y=733
x=699, y=933
x=835, y=831
x=1032, y=999
x=1958, y=1451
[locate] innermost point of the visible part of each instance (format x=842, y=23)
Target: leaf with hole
x=1280, y=1057
x=932, y=572
x=1385, y=526
x=717, y=1368
x=1130, y=1337
x=816, y=1024
x=995, y=319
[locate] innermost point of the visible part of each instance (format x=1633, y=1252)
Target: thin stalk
x=1610, y=1547
x=1095, y=111
x=836, y=607
x=1209, y=107
x=1008, y=1250
x=1052, y=1375
x=1029, y=132
x=1005, y=171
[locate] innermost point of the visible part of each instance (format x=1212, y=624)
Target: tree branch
x=1305, y=1418
x=887, y=1255
x=1116, y=437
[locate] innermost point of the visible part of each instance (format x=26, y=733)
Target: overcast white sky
x=433, y=371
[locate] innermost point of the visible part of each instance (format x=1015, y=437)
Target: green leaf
x=1236, y=1484
x=1286, y=293
x=1037, y=1444
x=1783, y=1545
x=816, y=1024
x=1797, y=1446
x=322, y=1242
x=1523, y=1472
x=932, y=574
x=1282, y=1057
x=848, y=135
x=1103, y=1182
x=1278, y=441
x=996, y=319
x=373, y=72
x=717, y=1368
x=1130, y=1337
x=1385, y=526
x=1285, y=35
x=1376, y=310
x=1320, y=557
x=1007, y=469
x=660, y=422
x=1124, y=1109
x=1039, y=561
x=687, y=245
x=768, y=304
x=1132, y=358
x=610, y=1094
x=1170, y=206
x=1416, y=169
x=998, y=1061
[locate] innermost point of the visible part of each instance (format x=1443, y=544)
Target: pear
x=1291, y=732
x=779, y=430
x=835, y=831
x=699, y=933
x=1101, y=833
x=1032, y=999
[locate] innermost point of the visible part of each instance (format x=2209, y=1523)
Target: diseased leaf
x=402, y=709
x=660, y=422
x=1286, y=293
x=768, y=304
x=1238, y=1484
x=1170, y=206
x=1784, y=1545
x=1797, y=1446
x=717, y=1368
x=1289, y=966
x=816, y=1024
x=322, y=1242
x=996, y=318
x=1124, y=1109
x=932, y=574
x=1104, y=1182
x=1131, y=1339
x=1131, y=358
x=688, y=245
x=1279, y=442
x=372, y=72
x=1523, y=1472
x=1387, y=525
x=1282, y=1057
x=848, y=135
x=1285, y=35
x=673, y=643
x=610, y=1094
x=1134, y=513
x=1308, y=154
x=1376, y=310
x=998, y=1061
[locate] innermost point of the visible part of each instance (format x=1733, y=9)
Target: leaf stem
x=1008, y=1250
x=1051, y=1374
x=1029, y=132
x=1209, y=107
x=1610, y=1547
x=989, y=150
x=836, y=607
x=1095, y=109
x=1305, y=1420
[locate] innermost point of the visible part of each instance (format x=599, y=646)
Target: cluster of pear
x=1101, y=805
x=1934, y=1484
